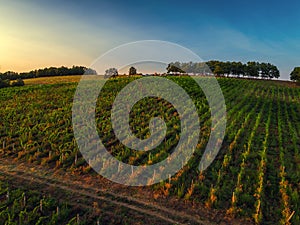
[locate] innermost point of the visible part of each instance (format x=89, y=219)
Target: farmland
x=19, y=206
x=255, y=177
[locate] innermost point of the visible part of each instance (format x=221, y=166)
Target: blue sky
x=43, y=33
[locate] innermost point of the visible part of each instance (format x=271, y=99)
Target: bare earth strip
x=163, y=211
x=35, y=175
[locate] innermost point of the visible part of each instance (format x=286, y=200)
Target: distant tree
x=234, y=68
x=179, y=65
x=237, y=68
x=132, y=71
x=191, y=67
x=4, y=83
x=264, y=70
x=295, y=74
x=219, y=70
x=111, y=72
x=273, y=72
x=267, y=70
x=227, y=68
x=212, y=65
x=9, y=75
x=19, y=82
x=252, y=69
x=202, y=68
x=78, y=70
x=174, y=69
x=89, y=71
x=46, y=72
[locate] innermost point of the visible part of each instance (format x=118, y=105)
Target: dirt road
x=90, y=190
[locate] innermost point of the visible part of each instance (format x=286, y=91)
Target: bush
x=4, y=83
x=19, y=82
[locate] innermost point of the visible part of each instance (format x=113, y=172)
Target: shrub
x=4, y=83
x=19, y=82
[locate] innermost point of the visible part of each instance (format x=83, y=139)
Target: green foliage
x=111, y=72
x=295, y=74
x=28, y=207
x=4, y=83
x=132, y=71
x=219, y=70
x=48, y=72
x=251, y=69
x=19, y=82
x=174, y=69
x=255, y=175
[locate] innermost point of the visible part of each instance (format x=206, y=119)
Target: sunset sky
x=39, y=33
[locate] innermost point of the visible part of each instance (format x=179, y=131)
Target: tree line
x=219, y=68
x=47, y=72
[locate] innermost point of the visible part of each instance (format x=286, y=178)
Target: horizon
x=41, y=34
x=147, y=68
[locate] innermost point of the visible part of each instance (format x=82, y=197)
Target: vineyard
x=21, y=207
x=255, y=176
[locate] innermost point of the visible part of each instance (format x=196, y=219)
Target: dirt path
x=86, y=194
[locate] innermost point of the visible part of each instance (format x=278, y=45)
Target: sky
x=39, y=33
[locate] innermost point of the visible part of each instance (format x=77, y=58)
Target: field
x=52, y=80
x=255, y=178
x=29, y=207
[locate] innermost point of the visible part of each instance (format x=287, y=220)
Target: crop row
x=255, y=175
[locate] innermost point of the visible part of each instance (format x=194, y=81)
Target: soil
x=91, y=191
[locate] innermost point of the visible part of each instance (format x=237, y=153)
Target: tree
x=4, y=83
x=202, y=68
x=132, y=71
x=273, y=72
x=227, y=68
x=238, y=68
x=212, y=65
x=252, y=69
x=174, y=69
x=234, y=68
x=295, y=74
x=264, y=70
x=90, y=71
x=19, y=82
x=219, y=70
x=111, y=72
